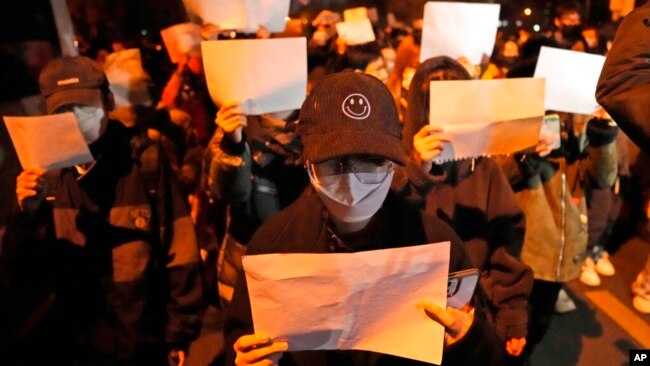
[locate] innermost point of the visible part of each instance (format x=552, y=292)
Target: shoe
x=564, y=304
x=641, y=304
x=589, y=276
x=604, y=266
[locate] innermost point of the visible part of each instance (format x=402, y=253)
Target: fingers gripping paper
x=50, y=142
x=364, y=301
x=459, y=30
x=263, y=75
x=571, y=79
x=487, y=117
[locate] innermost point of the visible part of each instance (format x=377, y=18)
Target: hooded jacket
x=301, y=228
x=475, y=199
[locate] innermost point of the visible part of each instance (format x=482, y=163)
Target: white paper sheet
x=571, y=79
x=353, y=14
x=356, y=32
x=364, y=301
x=242, y=15
x=179, y=39
x=459, y=30
x=487, y=117
x=50, y=142
x=273, y=14
x=264, y=75
x=127, y=79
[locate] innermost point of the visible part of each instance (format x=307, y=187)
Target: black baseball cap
x=72, y=80
x=350, y=113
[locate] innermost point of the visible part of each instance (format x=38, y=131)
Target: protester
x=187, y=90
x=622, y=91
x=568, y=26
x=109, y=246
x=348, y=214
x=474, y=198
x=407, y=59
x=601, y=200
x=251, y=166
x=549, y=186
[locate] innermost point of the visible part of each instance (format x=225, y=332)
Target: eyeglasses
x=371, y=170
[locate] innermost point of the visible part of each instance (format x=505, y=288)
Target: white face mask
x=349, y=200
x=90, y=121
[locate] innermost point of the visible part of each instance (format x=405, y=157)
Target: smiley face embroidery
x=356, y=106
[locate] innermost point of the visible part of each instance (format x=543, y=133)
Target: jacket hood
x=417, y=113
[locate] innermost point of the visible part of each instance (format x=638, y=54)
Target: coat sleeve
x=624, y=85
x=227, y=169
x=481, y=345
x=507, y=281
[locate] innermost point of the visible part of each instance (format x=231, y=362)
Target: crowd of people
x=114, y=262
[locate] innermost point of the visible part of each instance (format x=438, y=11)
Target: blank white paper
x=263, y=75
x=365, y=301
x=487, y=117
x=49, y=142
x=459, y=30
x=571, y=79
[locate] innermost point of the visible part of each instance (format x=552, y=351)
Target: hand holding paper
x=257, y=348
x=456, y=322
x=30, y=189
x=232, y=121
x=428, y=143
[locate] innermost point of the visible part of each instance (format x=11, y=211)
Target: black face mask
x=571, y=32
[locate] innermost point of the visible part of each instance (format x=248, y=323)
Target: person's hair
x=433, y=69
x=530, y=49
x=359, y=56
x=566, y=7
x=407, y=54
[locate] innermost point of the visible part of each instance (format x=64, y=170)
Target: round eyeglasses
x=370, y=170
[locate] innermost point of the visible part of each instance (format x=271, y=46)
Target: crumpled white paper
x=363, y=301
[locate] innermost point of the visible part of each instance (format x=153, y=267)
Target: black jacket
x=118, y=270
x=300, y=228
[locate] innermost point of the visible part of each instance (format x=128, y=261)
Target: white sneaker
x=604, y=266
x=564, y=304
x=589, y=276
x=641, y=305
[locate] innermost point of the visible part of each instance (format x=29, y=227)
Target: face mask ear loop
x=312, y=176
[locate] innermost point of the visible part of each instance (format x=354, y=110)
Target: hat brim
x=83, y=96
x=319, y=147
